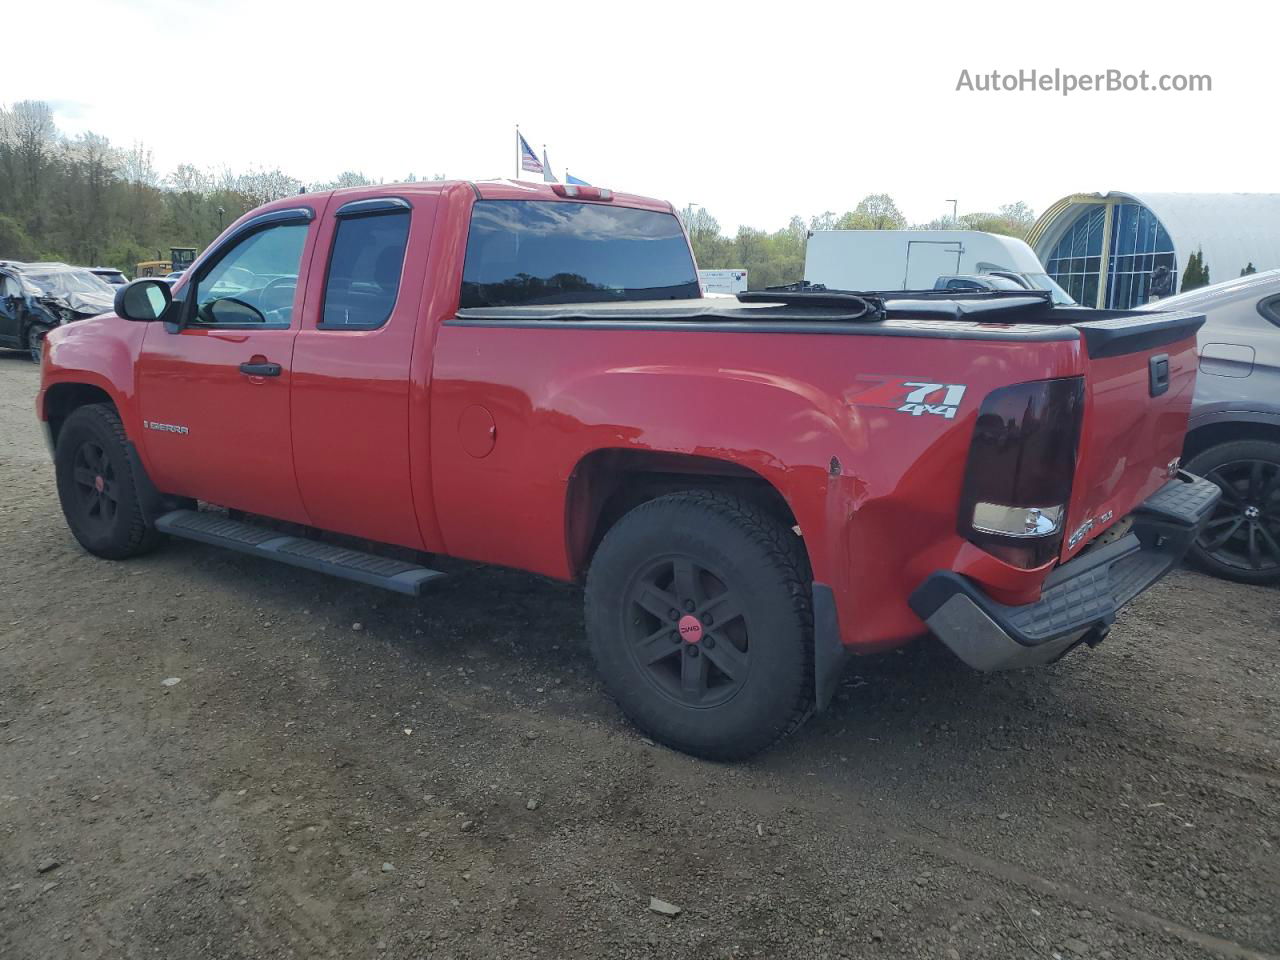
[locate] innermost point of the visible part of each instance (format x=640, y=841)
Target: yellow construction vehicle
x=179, y=259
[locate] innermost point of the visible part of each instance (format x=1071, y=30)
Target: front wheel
x=1241, y=541
x=699, y=615
x=35, y=340
x=97, y=486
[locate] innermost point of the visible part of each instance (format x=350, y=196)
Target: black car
x=36, y=297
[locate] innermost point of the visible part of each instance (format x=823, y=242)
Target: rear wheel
x=35, y=340
x=698, y=610
x=97, y=486
x=1242, y=539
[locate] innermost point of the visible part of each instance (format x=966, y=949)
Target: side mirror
x=143, y=300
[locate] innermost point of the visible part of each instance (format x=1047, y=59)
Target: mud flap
x=150, y=499
x=829, y=652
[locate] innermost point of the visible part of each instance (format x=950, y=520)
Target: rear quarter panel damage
x=873, y=481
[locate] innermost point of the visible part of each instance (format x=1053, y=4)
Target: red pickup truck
x=750, y=489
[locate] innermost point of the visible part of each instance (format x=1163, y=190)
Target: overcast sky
x=754, y=111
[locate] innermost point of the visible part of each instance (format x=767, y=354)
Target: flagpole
x=517, y=151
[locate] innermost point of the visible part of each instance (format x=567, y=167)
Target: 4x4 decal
x=916, y=397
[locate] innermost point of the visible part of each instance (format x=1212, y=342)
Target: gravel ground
x=343, y=772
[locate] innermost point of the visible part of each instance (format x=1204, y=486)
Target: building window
x=1139, y=244
x=1077, y=259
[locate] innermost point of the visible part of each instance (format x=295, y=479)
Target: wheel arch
x=607, y=483
x=1203, y=436
x=60, y=400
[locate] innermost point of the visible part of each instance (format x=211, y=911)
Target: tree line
x=778, y=257
x=87, y=201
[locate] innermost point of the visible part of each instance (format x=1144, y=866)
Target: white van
x=915, y=259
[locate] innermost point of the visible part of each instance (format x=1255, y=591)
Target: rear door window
x=540, y=252
x=364, y=270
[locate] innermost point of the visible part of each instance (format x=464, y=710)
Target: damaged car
x=36, y=297
x=110, y=274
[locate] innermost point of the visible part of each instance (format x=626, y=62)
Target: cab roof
x=494, y=189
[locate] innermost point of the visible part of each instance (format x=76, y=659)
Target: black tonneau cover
x=702, y=309
x=982, y=314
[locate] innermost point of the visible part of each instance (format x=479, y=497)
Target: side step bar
x=215, y=529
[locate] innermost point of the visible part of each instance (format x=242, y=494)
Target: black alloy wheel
x=1241, y=541
x=1245, y=529
x=688, y=632
x=97, y=487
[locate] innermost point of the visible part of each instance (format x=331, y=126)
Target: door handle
x=261, y=369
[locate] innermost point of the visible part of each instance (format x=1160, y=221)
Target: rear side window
x=364, y=270
x=536, y=252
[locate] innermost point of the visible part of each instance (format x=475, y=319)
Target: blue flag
x=570, y=178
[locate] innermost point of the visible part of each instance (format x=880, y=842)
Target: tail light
x=1022, y=459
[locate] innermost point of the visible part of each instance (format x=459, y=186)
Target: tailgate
x=1140, y=375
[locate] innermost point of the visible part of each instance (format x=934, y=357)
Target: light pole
x=955, y=212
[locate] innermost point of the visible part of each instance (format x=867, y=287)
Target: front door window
x=254, y=283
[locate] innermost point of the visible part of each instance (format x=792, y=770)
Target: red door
x=351, y=380
x=214, y=394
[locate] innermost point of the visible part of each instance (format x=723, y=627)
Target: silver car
x=1234, y=434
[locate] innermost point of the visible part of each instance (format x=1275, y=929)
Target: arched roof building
x=1142, y=231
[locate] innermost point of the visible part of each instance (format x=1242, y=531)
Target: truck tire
x=699, y=615
x=97, y=486
x=35, y=340
x=1242, y=539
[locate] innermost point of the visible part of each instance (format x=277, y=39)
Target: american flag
x=528, y=159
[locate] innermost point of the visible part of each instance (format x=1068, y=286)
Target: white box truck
x=918, y=259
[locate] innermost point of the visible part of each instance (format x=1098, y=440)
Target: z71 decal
x=916, y=397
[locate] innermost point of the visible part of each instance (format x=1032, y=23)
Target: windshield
x=1042, y=281
x=537, y=252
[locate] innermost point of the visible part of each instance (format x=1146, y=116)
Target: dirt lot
x=343, y=772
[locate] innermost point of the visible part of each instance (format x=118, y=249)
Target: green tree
x=15, y=244
x=826, y=220
x=1011, y=219
x=876, y=211
x=1197, y=273
x=879, y=212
